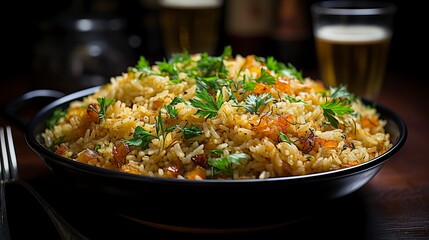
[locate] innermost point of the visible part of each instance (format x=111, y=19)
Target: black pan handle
x=11, y=108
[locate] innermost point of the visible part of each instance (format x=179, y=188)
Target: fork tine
x=4, y=173
x=4, y=166
x=13, y=164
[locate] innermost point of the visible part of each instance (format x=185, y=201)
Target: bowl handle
x=11, y=108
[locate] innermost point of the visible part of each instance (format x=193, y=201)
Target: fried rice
x=217, y=117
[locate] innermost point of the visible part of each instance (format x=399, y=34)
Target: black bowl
x=190, y=205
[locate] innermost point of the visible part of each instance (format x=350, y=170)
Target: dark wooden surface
x=393, y=205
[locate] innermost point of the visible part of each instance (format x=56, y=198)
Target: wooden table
x=393, y=205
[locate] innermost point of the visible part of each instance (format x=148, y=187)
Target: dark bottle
x=247, y=26
x=291, y=36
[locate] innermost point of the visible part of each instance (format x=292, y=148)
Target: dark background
x=21, y=31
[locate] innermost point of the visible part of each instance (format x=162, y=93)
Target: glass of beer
x=352, y=43
x=190, y=25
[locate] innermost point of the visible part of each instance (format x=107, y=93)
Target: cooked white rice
x=287, y=133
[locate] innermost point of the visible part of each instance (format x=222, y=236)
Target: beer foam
x=355, y=33
x=191, y=3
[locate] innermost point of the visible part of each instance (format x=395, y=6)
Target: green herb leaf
x=142, y=64
x=248, y=85
x=171, y=110
x=335, y=107
x=212, y=83
x=292, y=99
x=291, y=71
x=341, y=92
x=159, y=128
x=103, y=105
x=141, y=137
x=274, y=65
x=206, y=103
x=227, y=52
x=255, y=102
x=284, y=138
x=224, y=164
x=56, y=142
x=211, y=66
x=266, y=78
x=190, y=132
x=56, y=115
x=168, y=68
x=286, y=70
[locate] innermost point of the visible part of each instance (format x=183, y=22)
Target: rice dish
x=217, y=117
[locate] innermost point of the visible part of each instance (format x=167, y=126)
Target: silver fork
x=9, y=174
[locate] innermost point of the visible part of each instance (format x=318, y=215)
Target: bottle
x=292, y=33
x=248, y=24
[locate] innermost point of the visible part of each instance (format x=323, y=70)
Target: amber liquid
x=356, y=58
x=191, y=28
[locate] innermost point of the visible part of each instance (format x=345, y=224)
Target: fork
x=9, y=174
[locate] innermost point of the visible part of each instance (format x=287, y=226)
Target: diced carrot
x=370, y=122
x=196, y=172
x=261, y=88
x=282, y=84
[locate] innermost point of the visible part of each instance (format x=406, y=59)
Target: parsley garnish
x=171, y=110
x=341, y=92
x=255, y=102
x=292, y=99
x=248, y=85
x=287, y=70
x=211, y=66
x=212, y=83
x=227, y=52
x=284, y=138
x=335, y=107
x=168, y=68
x=56, y=142
x=190, y=132
x=224, y=164
x=142, y=64
x=56, y=115
x=159, y=127
x=206, y=103
x=266, y=78
x=141, y=137
x=103, y=105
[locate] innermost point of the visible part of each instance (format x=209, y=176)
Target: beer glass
x=352, y=41
x=191, y=25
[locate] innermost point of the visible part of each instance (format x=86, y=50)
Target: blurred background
x=74, y=44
